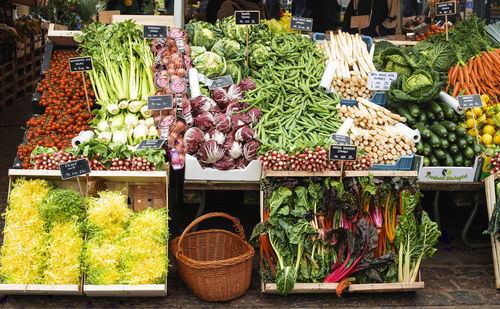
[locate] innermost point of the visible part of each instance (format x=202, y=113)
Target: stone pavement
x=456, y=276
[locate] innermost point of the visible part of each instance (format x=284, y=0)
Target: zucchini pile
x=444, y=142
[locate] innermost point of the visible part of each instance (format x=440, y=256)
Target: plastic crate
x=404, y=163
x=320, y=36
x=378, y=98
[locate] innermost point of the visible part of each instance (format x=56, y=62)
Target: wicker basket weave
x=216, y=265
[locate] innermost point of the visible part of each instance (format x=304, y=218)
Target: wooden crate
x=143, y=188
x=106, y=17
x=301, y=288
x=495, y=244
x=60, y=35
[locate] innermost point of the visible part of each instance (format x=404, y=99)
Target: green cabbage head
x=418, y=84
x=210, y=64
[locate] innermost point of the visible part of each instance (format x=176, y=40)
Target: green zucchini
x=434, y=141
x=462, y=143
x=427, y=149
x=435, y=108
x=439, y=130
x=427, y=162
x=430, y=115
x=420, y=147
x=448, y=160
x=461, y=131
x=440, y=116
x=422, y=117
x=454, y=149
x=459, y=159
x=433, y=160
x=403, y=112
x=413, y=109
x=476, y=148
x=469, y=139
x=439, y=153
x=452, y=137
x=468, y=152
x=444, y=143
x=450, y=126
x=469, y=162
x=448, y=111
x=424, y=132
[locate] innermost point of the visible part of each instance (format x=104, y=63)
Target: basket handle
x=236, y=222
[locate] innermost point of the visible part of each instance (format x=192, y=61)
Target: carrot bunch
x=480, y=76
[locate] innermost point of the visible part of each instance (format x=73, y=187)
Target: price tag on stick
x=301, y=23
x=74, y=168
x=445, y=9
x=247, y=18
x=471, y=101
x=381, y=81
x=151, y=143
x=82, y=64
x=222, y=81
x=154, y=32
x=160, y=102
x=343, y=152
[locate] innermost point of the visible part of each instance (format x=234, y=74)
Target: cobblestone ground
x=456, y=276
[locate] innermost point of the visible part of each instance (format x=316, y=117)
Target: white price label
x=381, y=81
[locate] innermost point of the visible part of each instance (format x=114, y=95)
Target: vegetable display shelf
x=301, y=288
x=144, y=189
x=491, y=199
x=266, y=174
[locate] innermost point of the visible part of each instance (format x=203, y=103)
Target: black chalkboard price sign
x=154, y=32
x=222, y=81
x=80, y=64
x=247, y=17
x=159, y=102
x=446, y=8
x=74, y=168
x=469, y=101
x=343, y=152
x=301, y=23
x=151, y=143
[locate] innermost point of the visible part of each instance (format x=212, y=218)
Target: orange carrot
x=456, y=89
x=466, y=74
x=461, y=77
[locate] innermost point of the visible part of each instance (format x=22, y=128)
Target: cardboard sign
x=301, y=23
x=343, y=152
x=159, y=102
x=80, y=64
x=151, y=143
x=247, y=17
x=469, y=101
x=222, y=81
x=74, y=168
x=155, y=32
x=446, y=8
x=381, y=81
x=360, y=22
x=341, y=139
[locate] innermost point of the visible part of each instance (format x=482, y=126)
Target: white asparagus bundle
x=352, y=64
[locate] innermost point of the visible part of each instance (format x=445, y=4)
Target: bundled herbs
x=317, y=230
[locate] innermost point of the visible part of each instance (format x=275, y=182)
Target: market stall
x=339, y=132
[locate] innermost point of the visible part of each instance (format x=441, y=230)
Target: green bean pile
x=296, y=113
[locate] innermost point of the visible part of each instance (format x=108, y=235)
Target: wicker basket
x=216, y=265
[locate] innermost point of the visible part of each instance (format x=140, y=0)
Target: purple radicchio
x=236, y=150
x=219, y=95
x=223, y=123
x=204, y=121
x=247, y=84
x=254, y=114
x=200, y=104
x=210, y=152
x=215, y=135
x=225, y=163
x=244, y=134
x=241, y=163
x=234, y=93
x=232, y=108
x=193, y=138
x=250, y=150
x=239, y=120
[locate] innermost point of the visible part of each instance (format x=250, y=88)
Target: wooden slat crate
x=143, y=188
x=491, y=200
x=301, y=288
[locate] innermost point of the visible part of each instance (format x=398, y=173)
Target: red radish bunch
x=52, y=161
x=313, y=161
x=495, y=163
x=134, y=164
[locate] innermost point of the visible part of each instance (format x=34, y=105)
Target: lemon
x=485, y=98
x=487, y=139
x=490, y=121
x=489, y=129
x=470, y=123
x=496, y=140
x=472, y=132
x=478, y=111
x=468, y=113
